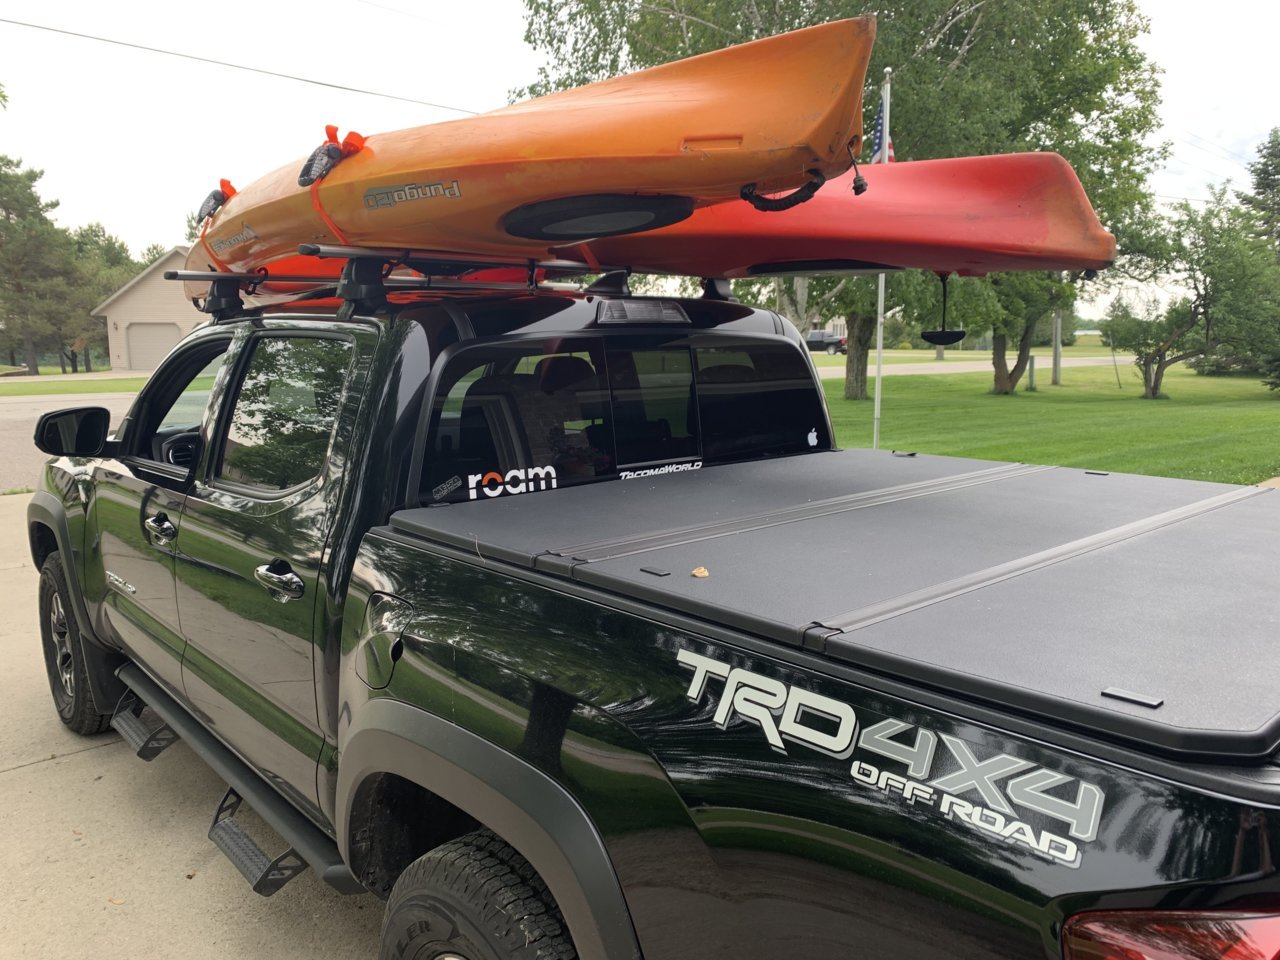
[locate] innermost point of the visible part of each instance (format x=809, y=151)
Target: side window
x=285, y=409
x=165, y=427
x=189, y=407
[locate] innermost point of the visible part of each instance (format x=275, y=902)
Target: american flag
x=881, y=145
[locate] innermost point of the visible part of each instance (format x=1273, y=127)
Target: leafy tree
x=1264, y=198
x=153, y=253
x=103, y=264
x=970, y=77
x=1234, y=293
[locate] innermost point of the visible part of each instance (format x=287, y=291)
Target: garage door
x=150, y=342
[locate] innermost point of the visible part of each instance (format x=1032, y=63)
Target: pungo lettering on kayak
x=377, y=197
x=918, y=766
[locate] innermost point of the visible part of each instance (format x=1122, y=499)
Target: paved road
x=1044, y=367
x=107, y=857
x=20, y=461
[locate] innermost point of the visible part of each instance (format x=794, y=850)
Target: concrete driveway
x=20, y=461
x=107, y=857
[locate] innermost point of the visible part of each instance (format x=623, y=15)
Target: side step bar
x=308, y=842
x=265, y=875
x=147, y=742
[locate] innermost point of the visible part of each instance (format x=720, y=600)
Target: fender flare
x=45, y=509
x=520, y=803
x=100, y=661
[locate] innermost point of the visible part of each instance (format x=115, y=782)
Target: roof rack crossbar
x=423, y=260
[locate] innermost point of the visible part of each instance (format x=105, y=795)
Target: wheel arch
x=515, y=800
x=47, y=532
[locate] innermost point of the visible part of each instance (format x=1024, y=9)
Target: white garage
x=148, y=315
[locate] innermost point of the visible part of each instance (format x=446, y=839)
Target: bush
x=1222, y=364
x=1271, y=369
x=905, y=345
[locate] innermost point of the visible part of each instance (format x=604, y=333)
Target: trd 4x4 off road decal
x=931, y=769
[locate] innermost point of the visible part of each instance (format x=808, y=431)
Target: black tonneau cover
x=1138, y=607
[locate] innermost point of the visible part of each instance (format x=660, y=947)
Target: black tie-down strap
x=793, y=199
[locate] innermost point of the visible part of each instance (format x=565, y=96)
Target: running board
x=265, y=875
x=307, y=841
x=148, y=741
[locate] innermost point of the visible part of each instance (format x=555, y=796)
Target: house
x=148, y=315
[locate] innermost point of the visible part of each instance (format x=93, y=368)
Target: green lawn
x=20, y=387
x=1212, y=428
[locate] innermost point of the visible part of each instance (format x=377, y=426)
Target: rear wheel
x=474, y=898
x=63, y=658
x=832, y=350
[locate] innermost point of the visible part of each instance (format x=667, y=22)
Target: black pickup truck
x=492, y=602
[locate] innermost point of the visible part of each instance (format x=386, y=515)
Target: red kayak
x=970, y=215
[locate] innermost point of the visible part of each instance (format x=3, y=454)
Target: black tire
x=832, y=350
x=63, y=658
x=474, y=898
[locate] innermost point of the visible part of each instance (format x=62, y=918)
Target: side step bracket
x=148, y=740
x=265, y=875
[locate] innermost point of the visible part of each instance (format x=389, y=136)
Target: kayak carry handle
x=326, y=156
x=793, y=199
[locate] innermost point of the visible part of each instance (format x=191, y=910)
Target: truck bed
x=1083, y=596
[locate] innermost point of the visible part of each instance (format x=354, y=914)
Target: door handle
x=161, y=530
x=281, y=582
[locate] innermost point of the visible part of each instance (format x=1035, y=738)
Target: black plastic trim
x=517, y=801
x=310, y=842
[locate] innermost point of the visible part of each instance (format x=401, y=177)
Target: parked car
x=821, y=340
x=498, y=604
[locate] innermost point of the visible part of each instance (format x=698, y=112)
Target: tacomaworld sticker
x=519, y=480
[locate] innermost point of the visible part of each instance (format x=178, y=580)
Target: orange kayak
x=970, y=215
x=632, y=153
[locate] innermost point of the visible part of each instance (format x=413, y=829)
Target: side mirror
x=81, y=432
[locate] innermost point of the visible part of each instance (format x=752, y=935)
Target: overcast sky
x=135, y=140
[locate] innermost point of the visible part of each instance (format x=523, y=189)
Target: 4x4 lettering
x=1083, y=815
x=918, y=758
x=980, y=775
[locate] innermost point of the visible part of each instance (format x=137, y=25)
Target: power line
x=235, y=66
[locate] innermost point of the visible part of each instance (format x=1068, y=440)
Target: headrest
x=727, y=373
x=561, y=373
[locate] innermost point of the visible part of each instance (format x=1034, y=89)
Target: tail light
x=1171, y=935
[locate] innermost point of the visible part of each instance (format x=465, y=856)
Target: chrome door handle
x=161, y=530
x=281, y=582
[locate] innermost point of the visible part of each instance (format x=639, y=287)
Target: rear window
x=513, y=418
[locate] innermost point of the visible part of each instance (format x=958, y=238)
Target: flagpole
x=884, y=151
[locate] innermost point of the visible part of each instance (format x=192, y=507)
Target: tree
x=103, y=264
x=33, y=255
x=1234, y=293
x=1065, y=75
x=153, y=253
x=193, y=227
x=1264, y=198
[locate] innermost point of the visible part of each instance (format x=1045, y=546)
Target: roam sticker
x=519, y=480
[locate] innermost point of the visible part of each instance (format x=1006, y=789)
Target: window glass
x=188, y=409
x=514, y=420
x=757, y=401
x=653, y=408
x=284, y=411
x=511, y=419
